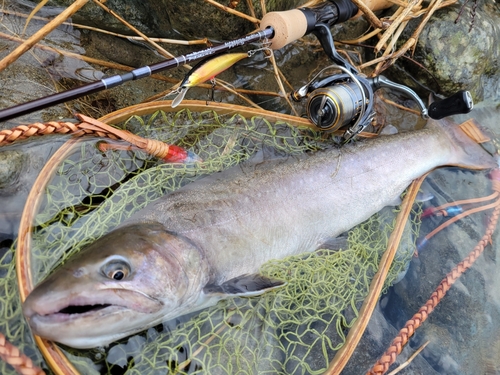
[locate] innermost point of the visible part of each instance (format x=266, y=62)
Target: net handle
x=344, y=354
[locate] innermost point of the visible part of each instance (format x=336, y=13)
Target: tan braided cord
x=21, y=132
x=389, y=357
x=87, y=126
x=13, y=356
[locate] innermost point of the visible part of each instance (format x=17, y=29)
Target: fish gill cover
x=295, y=329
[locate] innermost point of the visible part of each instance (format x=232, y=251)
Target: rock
x=140, y=14
x=167, y=18
x=11, y=167
x=185, y=17
x=462, y=321
x=459, y=59
x=40, y=73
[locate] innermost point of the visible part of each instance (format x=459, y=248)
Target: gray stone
x=459, y=59
x=166, y=18
x=140, y=14
x=11, y=167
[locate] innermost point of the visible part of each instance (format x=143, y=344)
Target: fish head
x=130, y=279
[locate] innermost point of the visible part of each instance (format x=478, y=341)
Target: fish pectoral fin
x=335, y=243
x=245, y=286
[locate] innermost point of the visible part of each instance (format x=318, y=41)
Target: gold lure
x=206, y=70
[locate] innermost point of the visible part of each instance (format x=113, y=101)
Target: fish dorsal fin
x=245, y=285
x=180, y=96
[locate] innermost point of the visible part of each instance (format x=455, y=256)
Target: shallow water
x=463, y=330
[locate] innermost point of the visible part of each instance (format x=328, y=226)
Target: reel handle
x=459, y=103
x=293, y=24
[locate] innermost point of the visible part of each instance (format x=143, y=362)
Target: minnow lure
x=205, y=70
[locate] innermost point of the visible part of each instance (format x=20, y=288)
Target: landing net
x=295, y=329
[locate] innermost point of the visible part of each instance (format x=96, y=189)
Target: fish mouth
x=90, y=318
x=106, y=302
x=74, y=312
x=82, y=309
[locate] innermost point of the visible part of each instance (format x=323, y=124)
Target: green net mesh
x=295, y=329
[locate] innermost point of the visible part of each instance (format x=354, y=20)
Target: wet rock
x=166, y=17
x=458, y=56
x=121, y=50
x=20, y=165
x=40, y=73
x=463, y=319
x=140, y=14
x=11, y=168
x=376, y=339
x=185, y=17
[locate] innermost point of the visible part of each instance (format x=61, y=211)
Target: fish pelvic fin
x=466, y=153
x=180, y=97
x=243, y=286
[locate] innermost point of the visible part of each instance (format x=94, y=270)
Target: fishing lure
x=206, y=70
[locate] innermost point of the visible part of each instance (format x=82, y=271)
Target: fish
x=205, y=70
x=206, y=241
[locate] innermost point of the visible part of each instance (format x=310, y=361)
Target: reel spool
x=334, y=107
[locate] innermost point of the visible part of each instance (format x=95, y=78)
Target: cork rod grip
x=288, y=26
x=293, y=24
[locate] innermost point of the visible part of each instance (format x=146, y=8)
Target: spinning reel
x=345, y=100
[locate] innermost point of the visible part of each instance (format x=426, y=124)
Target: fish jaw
x=77, y=320
x=79, y=305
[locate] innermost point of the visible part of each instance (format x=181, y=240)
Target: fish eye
x=116, y=270
x=117, y=275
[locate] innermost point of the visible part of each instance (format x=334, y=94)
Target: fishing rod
x=279, y=28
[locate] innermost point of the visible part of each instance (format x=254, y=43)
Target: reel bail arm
x=345, y=101
x=459, y=103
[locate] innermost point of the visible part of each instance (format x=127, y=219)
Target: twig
x=160, y=49
x=362, y=38
x=90, y=60
x=286, y=81
x=370, y=16
x=390, y=31
x=32, y=14
x=398, y=2
x=280, y=84
x=409, y=360
x=263, y=6
x=251, y=8
x=390, y=102
x=233, y=11
x=79, y=26
x=435, y=5
x=395, y=37
x=40, y=34
x=230, y=89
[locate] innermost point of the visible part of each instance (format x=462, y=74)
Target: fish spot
x=79, y=272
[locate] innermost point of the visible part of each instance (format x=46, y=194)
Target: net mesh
x=295, y=329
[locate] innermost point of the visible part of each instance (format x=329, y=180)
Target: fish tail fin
x=466, y=153
x=180, y=97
